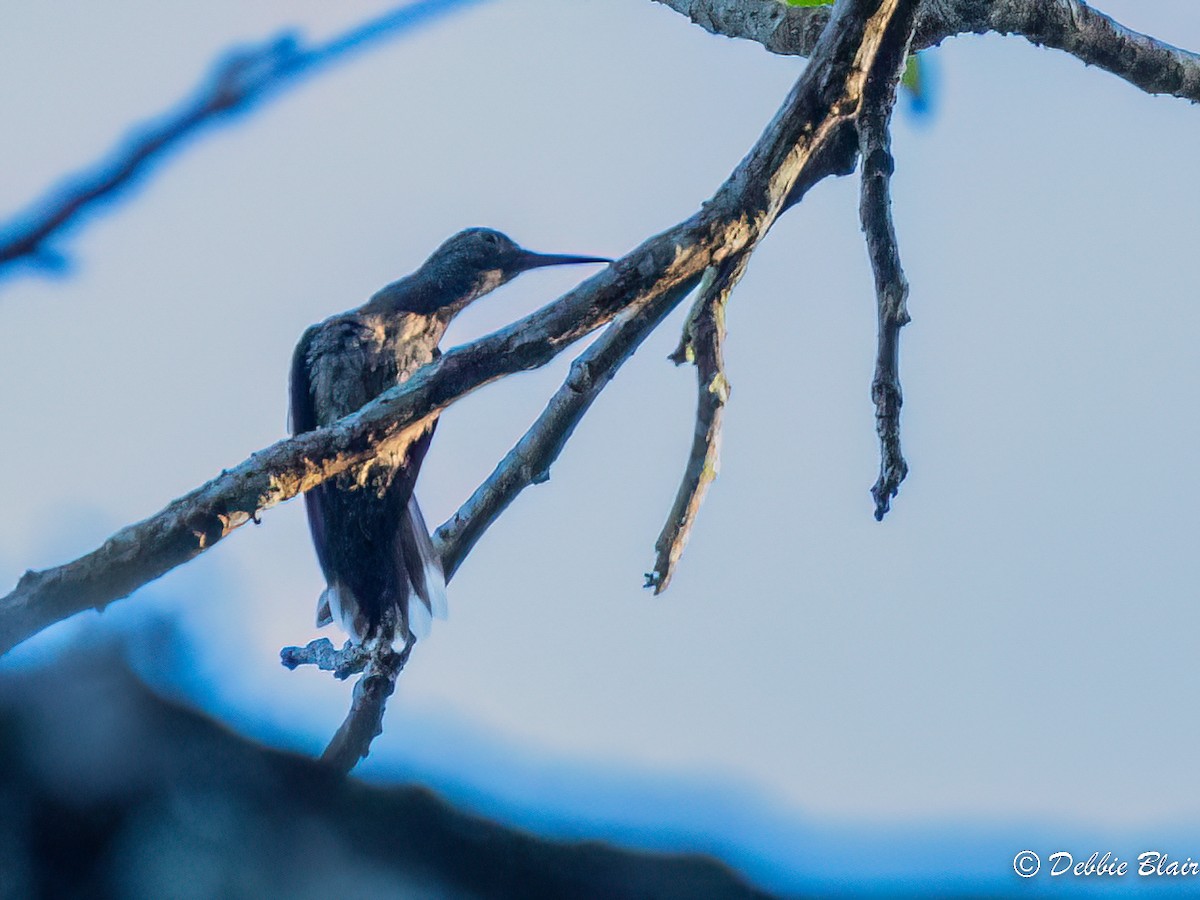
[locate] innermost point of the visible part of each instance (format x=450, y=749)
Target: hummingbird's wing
x=423, y=564
x=362, y=523
x=302, y=417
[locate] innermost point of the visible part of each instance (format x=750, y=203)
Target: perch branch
x=364, y=722
x=891, y=287
x=702, y=344
x=350, y=660
x=824, y=100
x=238, y=82
x=1072, y=26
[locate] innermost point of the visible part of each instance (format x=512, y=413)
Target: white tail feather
x=434, y=596
x=420, y=623
x=342, y=606
x=426, y=594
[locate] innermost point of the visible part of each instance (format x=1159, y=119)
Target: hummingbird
x=384, y=578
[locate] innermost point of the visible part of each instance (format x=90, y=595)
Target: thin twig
x=236, y=84
x=891, y=287
x=380, y=665
x=350, y=660
x=702, y=344
x=364, y=722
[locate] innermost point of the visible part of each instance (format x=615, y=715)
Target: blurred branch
x=814, y=115
x=891, y=287
x=1073, y=26
x=107, y=784
x=702, y=344
x=237, y=84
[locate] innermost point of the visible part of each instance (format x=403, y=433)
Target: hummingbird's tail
x=423, y=565
x=417, y=591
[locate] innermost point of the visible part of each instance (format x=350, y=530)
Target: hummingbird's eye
x=490, y=238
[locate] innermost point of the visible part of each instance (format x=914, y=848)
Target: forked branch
x=702, y=344
x=529, y=461
x=364, y=722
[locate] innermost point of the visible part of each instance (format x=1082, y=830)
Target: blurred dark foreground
x=109, y=790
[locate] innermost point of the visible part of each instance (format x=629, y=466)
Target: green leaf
x=913, y=79
x=809, y=2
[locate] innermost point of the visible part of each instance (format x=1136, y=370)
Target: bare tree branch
x=237, y=83
x=381, y=664
x=702, y=344
x=364, y=722
x=1089, y=35
x=786, y=30
x=823, y=101
x=891, y=287
x=350, y=660
x=891, y=293
x=1073, y=26
x=529, y=460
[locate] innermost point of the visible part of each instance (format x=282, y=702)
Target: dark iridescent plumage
x=370, y=538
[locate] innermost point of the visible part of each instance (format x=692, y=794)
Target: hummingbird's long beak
x=533, y=260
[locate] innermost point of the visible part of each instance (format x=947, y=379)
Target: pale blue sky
x=1015, y=643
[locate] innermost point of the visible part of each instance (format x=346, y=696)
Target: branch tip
x=350, y=660
x=891, y=286
x=702, y=343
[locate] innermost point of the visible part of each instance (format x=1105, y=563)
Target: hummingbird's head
x=479, y=260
